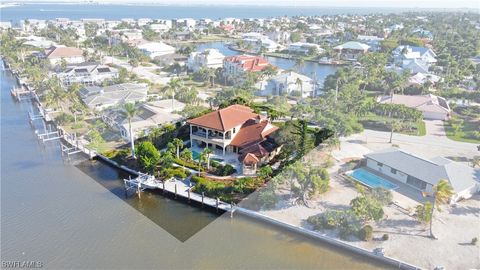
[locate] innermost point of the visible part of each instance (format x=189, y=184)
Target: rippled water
x=68, y=216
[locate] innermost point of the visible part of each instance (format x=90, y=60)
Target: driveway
x=431, y=145
x=435, y=128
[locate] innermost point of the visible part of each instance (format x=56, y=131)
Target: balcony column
x=224, y=136
x=206, y=133
x=223, y=150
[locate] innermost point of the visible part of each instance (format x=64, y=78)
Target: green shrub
x=366, y=233
x=64, y=118
x=385, y=237
x=224, y=170
x=268, y=199
x=77, y=125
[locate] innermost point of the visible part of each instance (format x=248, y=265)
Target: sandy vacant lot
x=408, y=239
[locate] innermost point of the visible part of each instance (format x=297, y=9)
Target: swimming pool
x=371, y=180
x=195, y=155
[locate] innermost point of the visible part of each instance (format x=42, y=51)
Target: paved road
x=435, y=143
x=140, y=71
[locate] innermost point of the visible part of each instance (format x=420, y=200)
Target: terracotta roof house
x=235, y=129
x=235, y=67
x=432, y=107
x=71, y=55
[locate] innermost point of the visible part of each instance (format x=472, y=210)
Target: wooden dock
x=21, y=93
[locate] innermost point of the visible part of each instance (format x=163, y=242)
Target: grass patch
x=382, y=123
x=469, y=132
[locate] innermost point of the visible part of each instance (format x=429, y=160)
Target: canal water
x=311, y=69
x=76, y=216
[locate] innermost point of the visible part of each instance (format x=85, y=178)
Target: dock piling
x=175, y=190
x=188, y=190
x=163, y=183
x=217, y=201
x=203, y=195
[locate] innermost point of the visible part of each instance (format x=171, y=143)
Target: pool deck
x=403, y=188
x=228, y=158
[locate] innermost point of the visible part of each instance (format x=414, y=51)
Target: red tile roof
x=252, y=132
x=225, y=119
x=59, y=52
x=248, y=62
x=250, y=159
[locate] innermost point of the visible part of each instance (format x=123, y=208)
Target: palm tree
x=172, y=88
x=130, y=111
x=299, y=84
x=442, y=192
x=341, y=77
x=178, y=144
x=395, y=125
x=299, y=64
x=207, y=152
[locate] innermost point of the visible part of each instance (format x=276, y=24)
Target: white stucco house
x=209, y=58
x=288, y=83
x=423, y=174
x=154, y=49
x=432, y=107
x=303, y=47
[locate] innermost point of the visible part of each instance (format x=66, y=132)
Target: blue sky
x=337, y=3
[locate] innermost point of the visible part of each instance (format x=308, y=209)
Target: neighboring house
x=303, y=47
x=351, y=50
x=149, y=116
x=373, y=41
x=422, y=78
x=209, y=58
x=288, y=83
x=154, y=49
x=423, y=174
x=235, y=129
x=39, y=42
x=88, y=74
x=97, y=97
x=279, y=36
x=432, y=107
x=421, y=54
x=235, y=67
x=5, y=25
x=71, y=55
x=258, y=40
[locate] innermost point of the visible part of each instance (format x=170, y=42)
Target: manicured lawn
x=464, y=135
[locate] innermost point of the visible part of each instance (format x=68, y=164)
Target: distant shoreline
x=230, y=5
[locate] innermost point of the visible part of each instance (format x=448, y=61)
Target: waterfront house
x=373, y=41
x=423, y=174
x=154, y=49
x=421, y=54
x=304, y=47
x=351, y=50
x=149, y=116
x=56, y=54
x=288, y=83
x=38, y=42
x=209, y=58
x=88, y=74
x=235, y=129
x=422, y=78
x=431, y=106
x=101, y=97
x=235, y=67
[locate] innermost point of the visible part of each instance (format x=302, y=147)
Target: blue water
x=195, y=155
x=310, y=69
x=114, y=12
x=371, y=180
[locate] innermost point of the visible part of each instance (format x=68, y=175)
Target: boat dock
x=177, y=188
x=21, y=93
